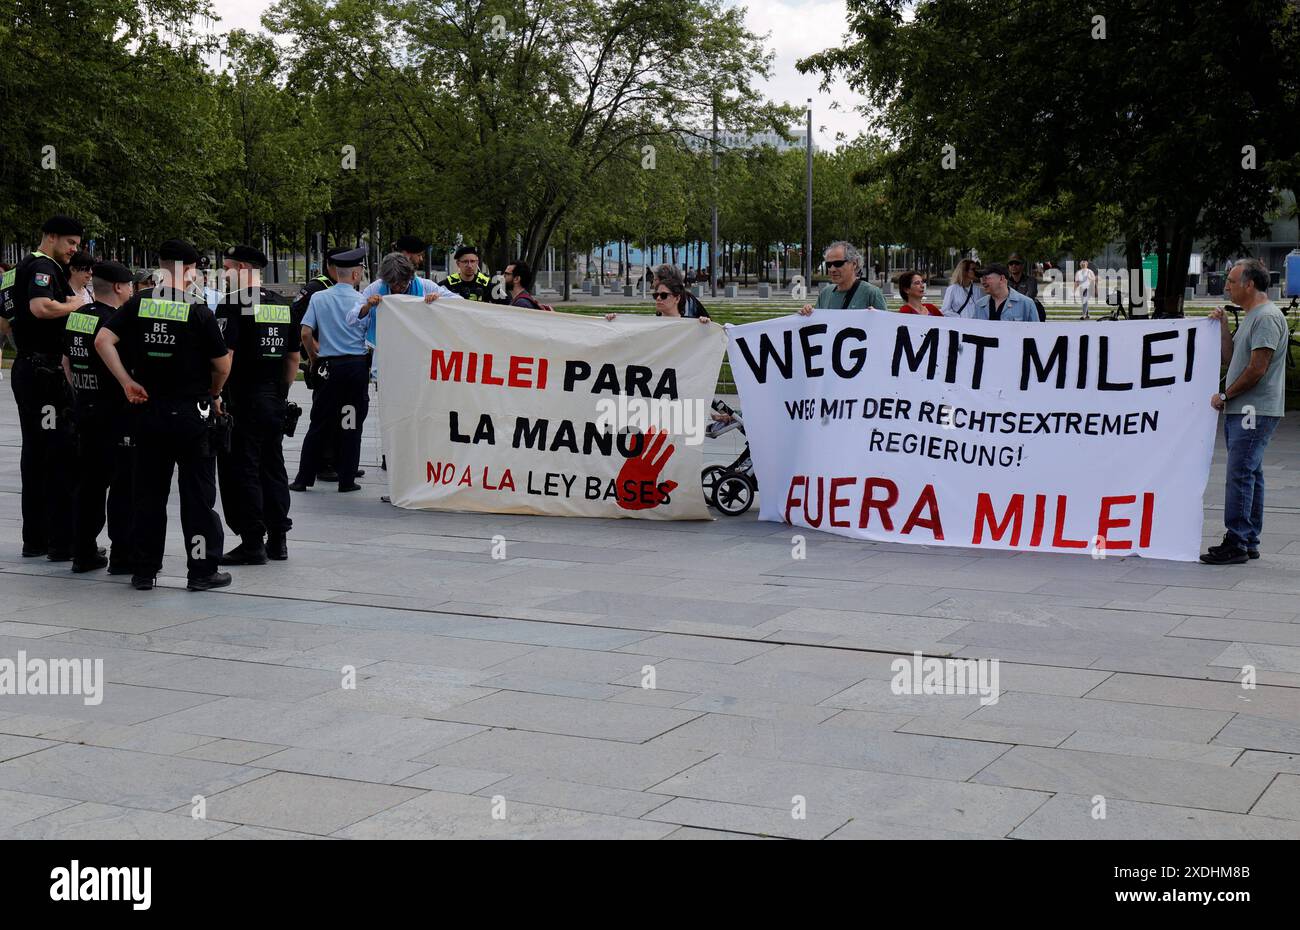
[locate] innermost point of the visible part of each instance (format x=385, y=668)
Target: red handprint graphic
x=638, y=481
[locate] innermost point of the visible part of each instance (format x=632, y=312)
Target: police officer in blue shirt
x=1000, y=301
x=340, y=403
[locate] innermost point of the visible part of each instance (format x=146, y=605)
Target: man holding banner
x=957, y=432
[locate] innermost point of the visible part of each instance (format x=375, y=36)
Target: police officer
x=103, y=450
x=254, y=483
x=178, y=364
x=42, y=300
x=467, y=280
x=338, y=349
x=323, y=281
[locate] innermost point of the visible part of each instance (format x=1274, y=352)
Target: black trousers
x=44, y=400
x=254, y=483
x=338, y=409
x=169, y=436
x=103, y=470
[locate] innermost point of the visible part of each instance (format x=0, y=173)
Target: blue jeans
x=1243, y=504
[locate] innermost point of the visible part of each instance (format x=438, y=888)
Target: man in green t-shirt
x=846, y=291
x=1252, y=400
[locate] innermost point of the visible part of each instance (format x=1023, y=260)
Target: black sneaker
x=94, y=563
x=34, y=552
x=361, y=472
x=59, y=555
x=1225, y=555
x=277, y=547
x=345, y=488
x=215, y=580
x=142, y=582
x=118, y=568
x=1252, y=553
x=246, y=553
x=299, y=486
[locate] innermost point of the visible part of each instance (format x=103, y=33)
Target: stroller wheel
x=734, y=494
x=709, y=479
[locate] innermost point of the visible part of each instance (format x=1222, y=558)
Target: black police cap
x=178, y=250
x=61, y=225
x=409, y=244
x=466, y=250
x=247, y=254
x=345, y=257
x=114, y=272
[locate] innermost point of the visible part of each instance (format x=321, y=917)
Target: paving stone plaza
x=505, y=697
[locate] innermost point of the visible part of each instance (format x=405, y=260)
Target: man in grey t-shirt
x=1253, y=401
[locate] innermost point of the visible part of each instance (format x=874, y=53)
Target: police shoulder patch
x=41, y=280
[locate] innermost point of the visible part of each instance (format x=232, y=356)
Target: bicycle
x=1116, y=299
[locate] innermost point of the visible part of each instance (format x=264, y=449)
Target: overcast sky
x=796, y=28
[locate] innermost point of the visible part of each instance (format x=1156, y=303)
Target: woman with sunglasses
x=673, y=299
x=911, y=287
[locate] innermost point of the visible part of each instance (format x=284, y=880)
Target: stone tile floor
x=504, y=698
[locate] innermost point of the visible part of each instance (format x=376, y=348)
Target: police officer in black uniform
x=42, y=300
x=467, y=280
x=175, y=366
x=103, y=447
x=254, y=483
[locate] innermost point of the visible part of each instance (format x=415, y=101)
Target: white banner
x=1056, y=437
x=511, y=410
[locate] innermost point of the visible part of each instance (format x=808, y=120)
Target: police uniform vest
x=478, y=288
x=171, y=338
x=268, y=332
x=93, y=383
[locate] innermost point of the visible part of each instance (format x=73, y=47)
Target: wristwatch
x=1223, y=397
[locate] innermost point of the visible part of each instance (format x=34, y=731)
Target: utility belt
x=321, y=366
x=42, y=361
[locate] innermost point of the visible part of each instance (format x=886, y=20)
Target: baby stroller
x=730, y=489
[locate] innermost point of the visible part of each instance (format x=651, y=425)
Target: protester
x=959, y=299
x=846, y=291
x=1253, y=402
x=673, y=299
x=1000, y=301
x=1023, y=283
x=1085, y=284
x=80, y=267
x=911, y=287
x=519, y=281
x=396, y=276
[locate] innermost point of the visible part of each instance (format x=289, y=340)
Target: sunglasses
x=663, y=295
x=837, y=264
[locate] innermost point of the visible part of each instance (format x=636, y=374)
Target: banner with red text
x=1058, y=437
x=511, y=410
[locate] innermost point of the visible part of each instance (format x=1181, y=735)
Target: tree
x=1168, y=110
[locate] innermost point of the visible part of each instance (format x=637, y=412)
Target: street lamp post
x=808, y=230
